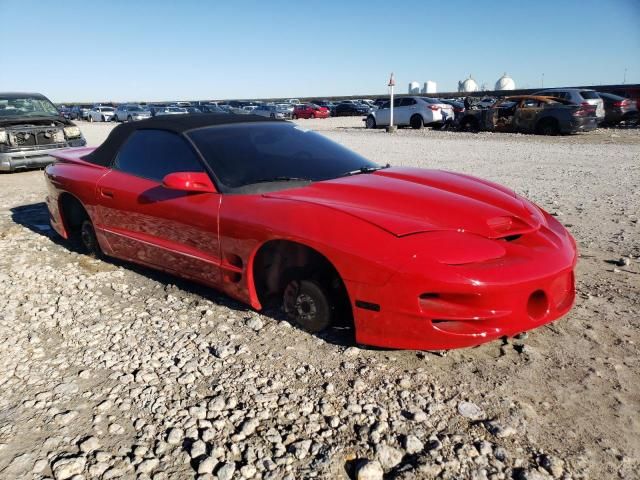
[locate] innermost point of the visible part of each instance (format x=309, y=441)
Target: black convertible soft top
x=105, y=154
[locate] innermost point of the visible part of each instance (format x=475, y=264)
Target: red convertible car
x=272, y=213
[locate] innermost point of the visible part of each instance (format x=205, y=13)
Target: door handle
x=106, y=193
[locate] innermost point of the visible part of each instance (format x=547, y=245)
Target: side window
x=396, y=102
x=153, y=154
x=407, y=102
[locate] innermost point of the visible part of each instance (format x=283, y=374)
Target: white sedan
x=100, y=114
x=411, y=111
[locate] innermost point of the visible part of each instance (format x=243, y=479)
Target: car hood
x=404, y=201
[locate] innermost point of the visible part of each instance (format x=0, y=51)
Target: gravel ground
x=108, y=370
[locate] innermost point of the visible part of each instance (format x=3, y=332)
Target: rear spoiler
x=73, y=155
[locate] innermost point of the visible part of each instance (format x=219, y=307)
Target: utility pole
x=624, y=79
x=542, y=82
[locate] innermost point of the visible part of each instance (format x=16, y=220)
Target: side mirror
x=189, y=182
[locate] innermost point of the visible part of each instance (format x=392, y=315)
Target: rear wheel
x=416, y=122
x=129, y=119
x=89, y=240
x=313, y=115
x=371, y=122
x=307, y=304
x=548, y=126
x=91, y=118
x=294, y=117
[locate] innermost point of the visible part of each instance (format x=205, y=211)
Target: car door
x=526, y=114
x=143, y=221
x=383, y=114
x=406, y=107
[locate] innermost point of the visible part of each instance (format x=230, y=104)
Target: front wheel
x=90, y=118
x=129, y=119
x=307, y=304
x=371, y=122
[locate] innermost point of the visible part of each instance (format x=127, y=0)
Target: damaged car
x=31, y=129
x=532, y=114
x=277, y=215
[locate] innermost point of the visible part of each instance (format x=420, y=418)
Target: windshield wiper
x=364, y=170
x=282, y=179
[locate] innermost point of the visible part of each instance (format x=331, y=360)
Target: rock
x=300, y=449
x=225, y=472
x=389, y=456
x=198, y=448
x=553, y=465
x=369, y=470
x=116, y=429
x=89, y=445
x=148, y=465
x=419, y=416
x=352, y=352
x=207, y=465
x=248, y=471
x=65, y=468
x=186, y=378
x=175, y=436
x=254, y=323
x=470, y=410
x=497, y=429
x=412, y=444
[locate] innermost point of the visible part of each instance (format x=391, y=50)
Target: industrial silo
x=414, y=88
x=467, y=86
x=505, y=82
x=430, y=87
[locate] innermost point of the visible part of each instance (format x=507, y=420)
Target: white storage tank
x=414, y=88
x=468, y=85
x=505, y=82
x=430, y=87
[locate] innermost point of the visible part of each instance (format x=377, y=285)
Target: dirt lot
x=112, y=371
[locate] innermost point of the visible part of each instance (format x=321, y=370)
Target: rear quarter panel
x=73, y=176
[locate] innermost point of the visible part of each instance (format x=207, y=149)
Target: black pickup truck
x=531, y=114
x=31, y=127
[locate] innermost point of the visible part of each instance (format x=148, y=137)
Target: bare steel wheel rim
x=305, y=308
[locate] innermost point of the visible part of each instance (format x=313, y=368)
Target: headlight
x=3, y=136
x=72, y=132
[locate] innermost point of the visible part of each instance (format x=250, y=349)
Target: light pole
x=391, y=84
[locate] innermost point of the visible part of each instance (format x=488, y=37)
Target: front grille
x=36, y=139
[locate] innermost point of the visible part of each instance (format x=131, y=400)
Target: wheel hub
x=305, y=307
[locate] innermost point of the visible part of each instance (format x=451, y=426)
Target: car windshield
x=254, y=153
x=134, y=108
x=106, y=109
x=27, y=106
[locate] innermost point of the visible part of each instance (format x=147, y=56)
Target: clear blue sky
x=93, y=50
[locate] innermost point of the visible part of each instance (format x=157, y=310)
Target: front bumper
x=456, y=306
x=33, y=158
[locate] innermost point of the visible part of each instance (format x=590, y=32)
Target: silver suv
x=578, y=96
